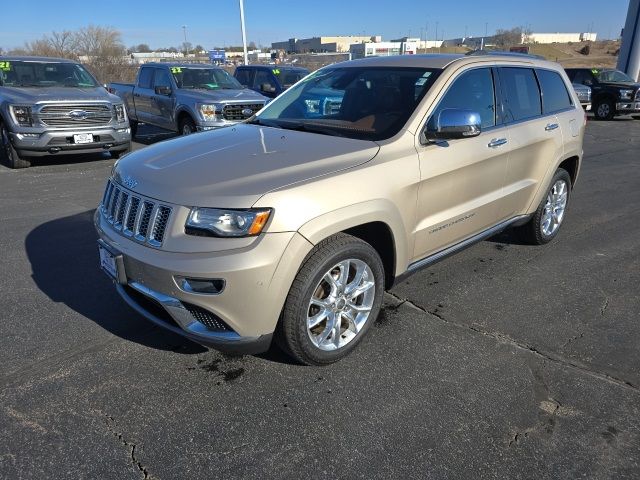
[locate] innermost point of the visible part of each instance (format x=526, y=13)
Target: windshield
x=289, y=77
x=613, y=76
x=370, y=103
x=204, y=78
x=44, y=74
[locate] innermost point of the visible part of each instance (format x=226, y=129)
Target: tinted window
x=554, y=92
x=204, y=78
x=263, y=77
x=473, y=90
x=583, y=77
x=243, y=76
x=522, y=93
x=144, y=80
x=162, y=78
x=18, y=73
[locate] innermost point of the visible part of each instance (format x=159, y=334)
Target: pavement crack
x=550, y=356
x=111, y=426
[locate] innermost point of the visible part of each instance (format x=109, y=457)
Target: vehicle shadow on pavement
x=148, y=135
x=64, y=261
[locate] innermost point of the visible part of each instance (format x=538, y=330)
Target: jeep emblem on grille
x=78, y=114
x=129, y=182
x=247, y=112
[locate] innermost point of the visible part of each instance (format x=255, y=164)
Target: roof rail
x=503, y=53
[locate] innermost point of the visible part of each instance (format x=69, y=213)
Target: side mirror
x=163, y=90
x=452, y=123
x=267, y=87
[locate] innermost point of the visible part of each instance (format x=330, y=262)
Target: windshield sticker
x=595, y=71
x=276, y=71
x=5, y=66
x=211, y=85
x=176, y=70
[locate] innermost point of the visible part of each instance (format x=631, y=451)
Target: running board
x=447, y=252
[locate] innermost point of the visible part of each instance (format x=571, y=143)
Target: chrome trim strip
x=436, y=257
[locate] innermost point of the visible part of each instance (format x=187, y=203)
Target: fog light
x=206, y=286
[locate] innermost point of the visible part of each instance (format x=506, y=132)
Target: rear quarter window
x=555, y=96
x=521, y=92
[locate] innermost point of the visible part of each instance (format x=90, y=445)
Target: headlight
x=209, y=111
x=626, y=94
x=227, y=223
x=121, y=114
x=21, y=115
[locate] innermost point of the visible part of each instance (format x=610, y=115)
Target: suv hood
x=225, y=95
x=234, y=166
x=29, y=95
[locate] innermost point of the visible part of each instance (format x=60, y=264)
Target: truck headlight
x=226, y=223
x=209, y=111
x=21, y=115
x=626, y=94
x=121, y=114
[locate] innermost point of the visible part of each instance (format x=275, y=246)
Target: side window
x=473, y=90
x=244, y=76
x=263, y=76
x=161, y=78
x=583, y=77
x=554, y=92
x=146, y=74
x=522, y=93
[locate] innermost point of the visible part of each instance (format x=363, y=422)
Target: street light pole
x=244, y=33
x=184, y=30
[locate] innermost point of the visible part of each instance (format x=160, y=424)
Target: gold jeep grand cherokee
x=292, y=225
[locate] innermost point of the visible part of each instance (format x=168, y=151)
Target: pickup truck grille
x=234, y=111
x=142, y=219
x=75, y=115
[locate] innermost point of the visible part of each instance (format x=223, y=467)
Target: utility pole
x=184, y=30
x=244, y=33
x=436, y=31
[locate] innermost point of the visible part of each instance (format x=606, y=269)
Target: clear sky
x=216, y=22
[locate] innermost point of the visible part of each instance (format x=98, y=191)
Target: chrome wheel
x=341, y=304
x=604, y=110
x=186, y=129
x=554, y=208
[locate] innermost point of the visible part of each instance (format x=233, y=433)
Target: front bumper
x=257, y=279
x=586, y=106
x=628, y=107
x=36, y=143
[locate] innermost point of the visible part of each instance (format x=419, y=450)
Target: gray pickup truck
x=186, y=97
x=52, y=105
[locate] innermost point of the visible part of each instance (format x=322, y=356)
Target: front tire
x=605, y=110
x=11, y=156
x=334, y=299
x=547, y=220
x=187, y=126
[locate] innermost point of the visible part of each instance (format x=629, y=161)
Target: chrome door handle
x=496, y=142
x=551, y=126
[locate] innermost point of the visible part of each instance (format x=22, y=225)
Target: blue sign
x=217, y=56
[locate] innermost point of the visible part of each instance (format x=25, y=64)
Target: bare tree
x=505, y=38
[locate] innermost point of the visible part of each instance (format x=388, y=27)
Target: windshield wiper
x=305, y=127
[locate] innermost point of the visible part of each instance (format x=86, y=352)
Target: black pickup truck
x=612, y=92
x=269, y=80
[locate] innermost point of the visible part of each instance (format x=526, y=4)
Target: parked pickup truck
x=269, y=80
x=584, y=95
x=612, y=92
x=52, y=105
x=186, y=97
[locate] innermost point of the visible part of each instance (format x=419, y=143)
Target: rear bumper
x=47, y=142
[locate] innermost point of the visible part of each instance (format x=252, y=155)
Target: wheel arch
x=572, y=166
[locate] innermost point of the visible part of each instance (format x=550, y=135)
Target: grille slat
x=234, y=111
x=143, y=219
x=58, y=115
x=207, y=318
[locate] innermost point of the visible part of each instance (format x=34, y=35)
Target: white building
x=421, y=44
x=139, y=57
x=382, y=49
x=558, y=37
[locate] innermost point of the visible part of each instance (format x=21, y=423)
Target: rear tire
x=11, y=156
x=604, y=110
x=187, y=126
x=334, y=299
x=547, y=219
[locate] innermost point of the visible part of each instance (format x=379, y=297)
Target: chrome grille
x=142, y=219
x=234, y=111
x=60, y=115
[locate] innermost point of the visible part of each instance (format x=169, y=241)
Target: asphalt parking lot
x=505, y=361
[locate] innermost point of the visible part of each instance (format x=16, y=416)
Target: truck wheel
x=605, y=110
x=333, y=301
x=547, y=220
x=187, y=126
x=134, y=128
x=12, y=157
x=120, y=153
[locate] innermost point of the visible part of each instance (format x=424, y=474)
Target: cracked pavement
x=505, y=360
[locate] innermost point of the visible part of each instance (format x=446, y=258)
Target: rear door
x=461, y=184
x=143, y=95
x=536, y=139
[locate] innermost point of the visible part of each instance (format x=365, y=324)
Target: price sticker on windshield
x=276, y=71
x=5, y=66
x=176, y=70
x=595, y=71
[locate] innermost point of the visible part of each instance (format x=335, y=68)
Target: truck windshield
x=612, y=76
x=370, y=103
x=204, y=78
x=289, y=77
x=40, y=74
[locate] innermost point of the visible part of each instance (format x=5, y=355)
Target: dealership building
x=382, y=49
x=322, y=44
